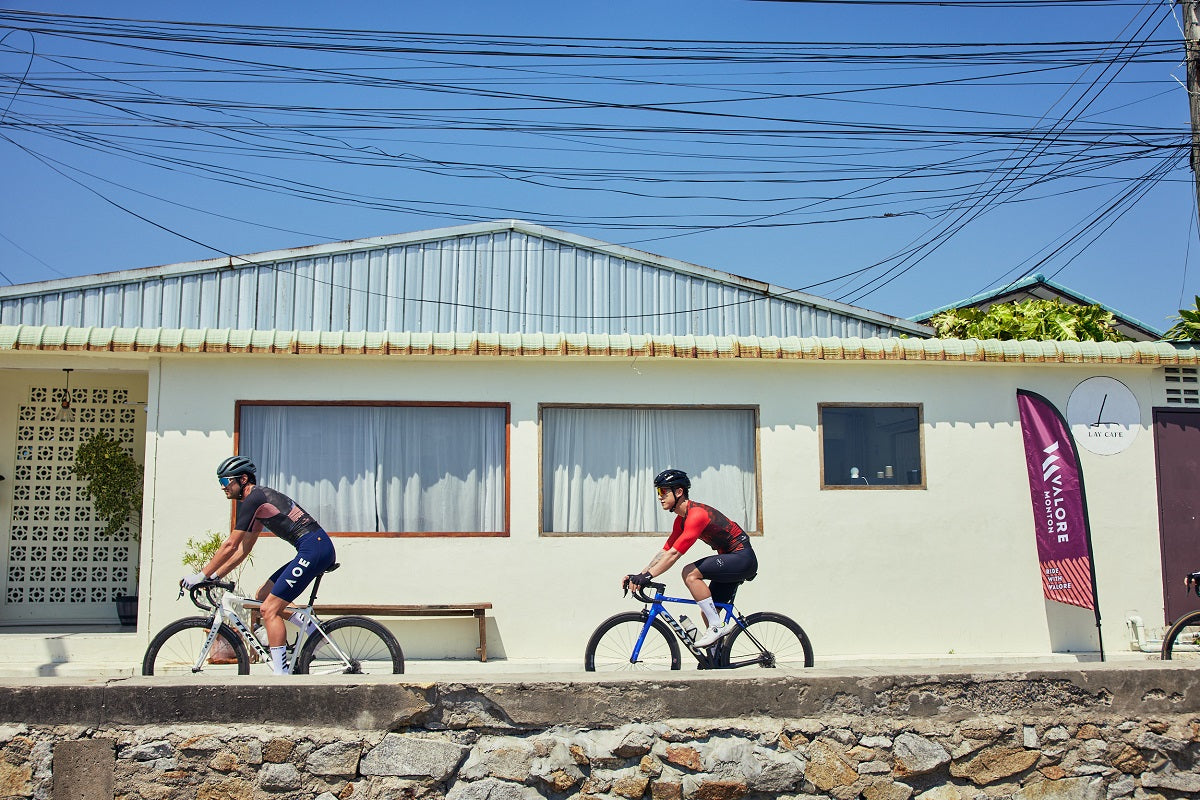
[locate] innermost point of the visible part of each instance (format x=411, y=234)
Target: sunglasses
x=225, y=481
x=663, y=491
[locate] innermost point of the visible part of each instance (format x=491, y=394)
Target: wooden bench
x=476, y=610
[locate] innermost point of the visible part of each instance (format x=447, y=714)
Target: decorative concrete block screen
x=59, y=565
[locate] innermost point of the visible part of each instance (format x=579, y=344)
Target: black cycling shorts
x=726, y=571
x=314, y=555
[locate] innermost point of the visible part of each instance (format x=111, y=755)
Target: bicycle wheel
x=1182, y=639
x=369, y=646
x=784, y=644
x=611, y=646
x=174, y=650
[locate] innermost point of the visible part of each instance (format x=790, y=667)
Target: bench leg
x=481, y=651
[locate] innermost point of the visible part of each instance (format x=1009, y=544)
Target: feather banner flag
x=1059, y=507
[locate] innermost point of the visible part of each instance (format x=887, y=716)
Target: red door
x=1177, y=449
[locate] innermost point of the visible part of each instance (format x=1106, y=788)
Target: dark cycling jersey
x=714, y=528
x=266, y=508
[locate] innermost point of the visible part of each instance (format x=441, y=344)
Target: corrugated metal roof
x=224, y=341
x=500, y=277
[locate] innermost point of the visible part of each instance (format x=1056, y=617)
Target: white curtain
x=599, y=465
x=383, y=468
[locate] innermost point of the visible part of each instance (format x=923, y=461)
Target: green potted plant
x=198, y=551
x=114, y=483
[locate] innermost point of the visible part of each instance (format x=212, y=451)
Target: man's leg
x=693, y=579
x=276, y=635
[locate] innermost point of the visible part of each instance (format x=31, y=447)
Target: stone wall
x=1086, y=734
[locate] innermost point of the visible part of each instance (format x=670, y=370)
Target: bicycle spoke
x=177, y=649
x=770, y=641
x=612, y=645
x=352, y=645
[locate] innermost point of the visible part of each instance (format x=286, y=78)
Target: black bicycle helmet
x=234, y=466
x=670, y=478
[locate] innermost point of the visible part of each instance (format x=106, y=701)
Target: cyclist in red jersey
x=735, y=560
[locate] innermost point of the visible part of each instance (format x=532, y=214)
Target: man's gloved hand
x=640, y=580
x=192, y=581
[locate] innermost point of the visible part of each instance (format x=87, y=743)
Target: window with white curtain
x=599, y=463
x=415, y=469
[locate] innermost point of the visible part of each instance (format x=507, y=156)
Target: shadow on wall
x=1073, y=629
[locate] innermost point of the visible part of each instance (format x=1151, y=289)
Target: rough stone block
x=1066, y=789
x=278, y=750
x=227, y=789
x=916, y=755
x=491, y=789
x=721, y=790
x=280, y=777
x=413, y=757
x=828, y=768
x=887, y=790
x=83, y=770
x=684, y=756
x=995, y=764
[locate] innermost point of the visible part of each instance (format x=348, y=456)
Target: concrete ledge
x=1141, y=690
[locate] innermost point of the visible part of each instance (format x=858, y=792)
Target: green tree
x=114, y=480
x=1187, y=324
x=1029, y=319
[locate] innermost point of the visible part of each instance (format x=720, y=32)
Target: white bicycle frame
x=228, y=612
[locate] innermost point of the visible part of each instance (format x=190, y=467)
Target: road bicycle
x=649, y=639
x=1184, y=636
x=223, y=643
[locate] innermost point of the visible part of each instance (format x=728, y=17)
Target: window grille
x=1183, y=386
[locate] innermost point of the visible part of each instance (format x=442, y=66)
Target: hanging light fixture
x=65, y=412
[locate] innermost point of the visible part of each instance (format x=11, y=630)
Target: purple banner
x=1059, y=513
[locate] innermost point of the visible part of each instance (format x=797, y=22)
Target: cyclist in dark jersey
x=735, y=560
x=261, y=507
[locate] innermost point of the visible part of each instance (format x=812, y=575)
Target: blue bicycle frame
x=709, y=658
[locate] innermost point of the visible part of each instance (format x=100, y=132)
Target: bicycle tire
x=1186, y=630
x=370, y=647
x=611, y=645
x=174, y=649
x=787, y=645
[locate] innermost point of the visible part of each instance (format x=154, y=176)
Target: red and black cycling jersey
x=704, y=522
x=262, y=507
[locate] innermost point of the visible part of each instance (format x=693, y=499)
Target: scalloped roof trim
x=226, y=341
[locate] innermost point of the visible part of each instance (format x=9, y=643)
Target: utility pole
x=1191, y=49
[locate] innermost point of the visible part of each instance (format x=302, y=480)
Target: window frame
x=541, y=472
x=920, y=409
x=506, y=530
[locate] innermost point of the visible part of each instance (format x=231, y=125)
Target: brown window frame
x=867, y=486
x=753, y=409
x=504, y=533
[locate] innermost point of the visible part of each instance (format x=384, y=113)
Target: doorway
x=1177, y=454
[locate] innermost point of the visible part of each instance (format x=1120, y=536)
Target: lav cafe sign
x=1104, y=415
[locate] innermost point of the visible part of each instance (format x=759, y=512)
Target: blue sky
x=808, y=145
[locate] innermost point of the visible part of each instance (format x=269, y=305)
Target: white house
x=476, y=414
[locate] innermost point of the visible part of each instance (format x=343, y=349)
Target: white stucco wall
x=869, y=574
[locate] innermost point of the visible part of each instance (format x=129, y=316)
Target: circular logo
x=1104, y=415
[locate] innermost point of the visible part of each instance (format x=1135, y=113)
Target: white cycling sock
x=710, y=611
x=278, y=665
